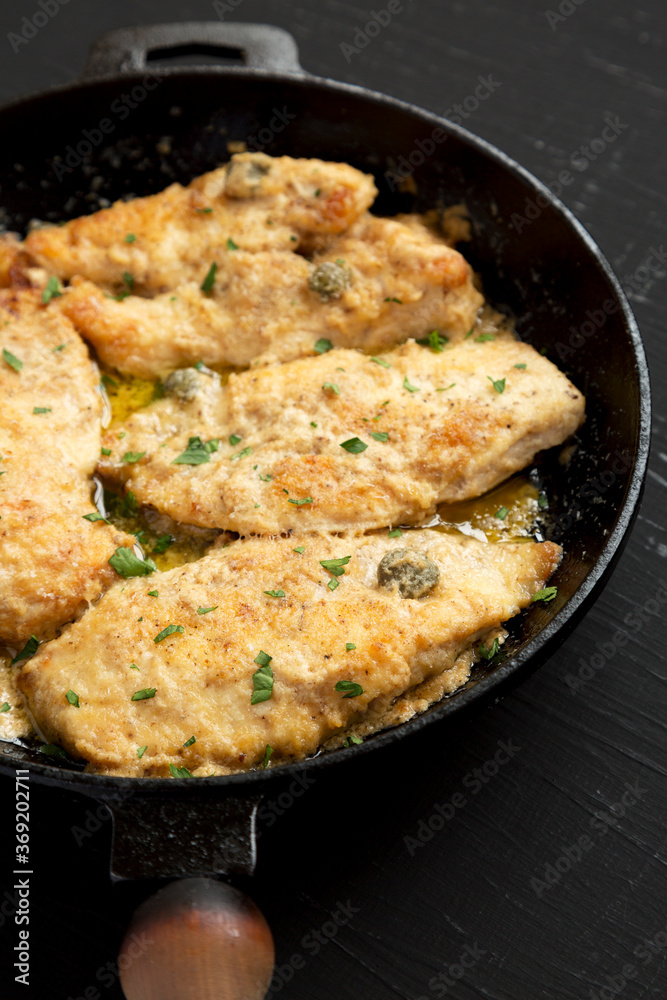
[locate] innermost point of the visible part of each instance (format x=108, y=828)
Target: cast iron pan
x=133, y=125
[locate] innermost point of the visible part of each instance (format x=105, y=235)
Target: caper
x=413, y=573
x=245, y=174
x=184, y=384
x=330, y=279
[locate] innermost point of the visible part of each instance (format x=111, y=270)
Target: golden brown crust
x=56, y=374
x=259, y=202
x=53, y=563
x=13, y=262
x=450, y=436
x=204, y=676
x=261, y=310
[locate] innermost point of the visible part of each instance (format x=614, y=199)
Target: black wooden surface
x=543, y=875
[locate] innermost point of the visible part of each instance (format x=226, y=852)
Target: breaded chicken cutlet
x=343, y=442
x=53, y=563
x=256, y=201
x=262, y=643
x=378, y=284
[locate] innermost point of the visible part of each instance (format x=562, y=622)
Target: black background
x=479, y=885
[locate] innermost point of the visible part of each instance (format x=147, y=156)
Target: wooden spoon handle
x=197, y=939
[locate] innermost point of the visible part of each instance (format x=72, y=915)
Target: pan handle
x=258, y=46
x=196, y=938
x=188, y=835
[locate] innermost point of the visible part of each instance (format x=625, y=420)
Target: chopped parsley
x=234, y=439
x=132, y=456
x=323, y=345
x=42, y=409
x=409, y=387
x=380, y=435
x=60, y=347
x=262, y=679
x=130, y=238
x=332, y=387
x=128, y=280
x=392, y=299
x=501, y=513
x=352, y=690
x=332, y=584
x=300, y=549
x=51, y=750
x=275, y=593
x=547, y=594
x=435, y=341
x=205, y=611
x=265, y=479
x=169, y=630
x=108, y=382
x=231, y=245
x=521, y=366
x=188, y=743
x=51, y=289
x=469, y=333
x=267, y=756
x=133, y=666
x=144, y=694
x=451, y=386
x=356, y=740
x=209, y=280
x=203, y=211
x=127, y=564
x=395, y=533
x=28, y=650
x=542, y=502
x=349, y=646
x=153, y=593
x=498, y=384
x=179, y=772
x=488, y=654
x=300, y=503
x=381, y=361
x=241, y=454
x=95, y=516
x=162, y=544
x=6, y=707
x=73, y=698
x=141, y=751
x=335, y=566
x=197, y=452
x=354, y=445
x=484, y=337
x=12, y=360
